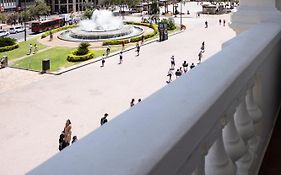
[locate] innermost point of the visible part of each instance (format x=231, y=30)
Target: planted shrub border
x=8, y=48
x=77, y=58
x=136, y=38
x=45, y=34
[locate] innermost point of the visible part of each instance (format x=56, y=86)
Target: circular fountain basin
x=80, y=35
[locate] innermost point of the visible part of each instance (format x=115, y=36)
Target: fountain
x=102, y=26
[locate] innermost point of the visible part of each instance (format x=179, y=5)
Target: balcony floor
x=272, y=159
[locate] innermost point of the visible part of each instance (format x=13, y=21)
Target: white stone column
x=251, y=12
x=217, y=161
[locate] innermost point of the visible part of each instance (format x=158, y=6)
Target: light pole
x=181, y=15
x=25, y=20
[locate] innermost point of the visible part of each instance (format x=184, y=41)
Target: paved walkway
x=33, y=116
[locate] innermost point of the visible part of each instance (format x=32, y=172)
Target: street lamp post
x=181, y=15
x=25, y=20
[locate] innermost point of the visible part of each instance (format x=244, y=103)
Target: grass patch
x=23, y=49
x=57, y=56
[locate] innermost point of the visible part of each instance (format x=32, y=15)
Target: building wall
x=68, y=6
x=8, y=5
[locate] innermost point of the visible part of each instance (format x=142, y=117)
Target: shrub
x=82, y=49
x=6, y=41
x=72, y=57
x=115, y=42
x=8, y=48
x=45, y=34
x=170, y=23
x=136, y=38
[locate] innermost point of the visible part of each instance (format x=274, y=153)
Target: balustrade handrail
x=168, y=132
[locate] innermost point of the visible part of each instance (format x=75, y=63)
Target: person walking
x=123, y=46
x=107, y=50
x=74, y=139
x=35, y=48
x=138, y=49
x=102, y=61
x=170, y=73
x=61, y=141
x=178, y=73
x=173, y=63
x=30, y=49
x=220, y=21
x=132, y=102
x=206, y=24
x=185, y=66
x=51, y=35
x=192, y=66
x=181, y=71
x=142, y=39
x=203, y=46
x=200, y=55
x=103, y=119
x=67, y=133
x=121, y=57
x=224, y=22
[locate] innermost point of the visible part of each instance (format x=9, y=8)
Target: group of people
x=31, y=47
x=65, y=136
x=104, y=119
x=222, y=21
x=132, y=103
x=107, y=52
x=184, y=68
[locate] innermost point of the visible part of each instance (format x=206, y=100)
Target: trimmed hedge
x=136, y=38
x=8, y=48
x=45, y=34
x=77, y=58
x=7, y=41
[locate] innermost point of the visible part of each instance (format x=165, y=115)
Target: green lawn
x=23, y=49
x=57, y=58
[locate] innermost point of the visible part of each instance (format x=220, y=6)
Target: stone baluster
x=253, y=109
x=234, y=144
x=245, y=126
x=217, y=161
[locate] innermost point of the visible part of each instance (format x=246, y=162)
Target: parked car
x=4, y=33
x=17, y=29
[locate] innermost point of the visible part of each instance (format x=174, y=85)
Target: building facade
x=8, y=5
x=69, y=6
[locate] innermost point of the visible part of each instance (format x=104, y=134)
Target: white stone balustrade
x=165, y=134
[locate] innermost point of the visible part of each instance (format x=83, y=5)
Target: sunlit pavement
x=32, y=116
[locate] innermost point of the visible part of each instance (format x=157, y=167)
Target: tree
x=12, y=18
x=154, y=7
x=88, y=13
x=39, y=9
x=3, y=17
x=24, y=16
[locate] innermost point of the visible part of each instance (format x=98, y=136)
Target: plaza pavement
x=32, y=116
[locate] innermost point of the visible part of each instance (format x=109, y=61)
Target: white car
x=4, y=33
x=16, y=29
